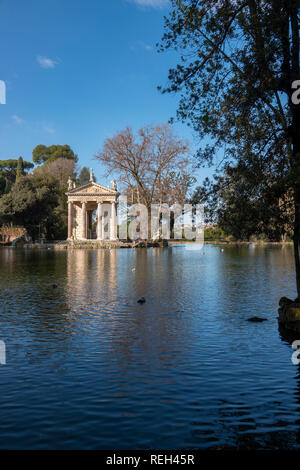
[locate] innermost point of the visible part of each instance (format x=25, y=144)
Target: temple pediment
x=92, y=188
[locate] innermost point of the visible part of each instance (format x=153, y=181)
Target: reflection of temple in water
x=103, y=287
x=91, y=278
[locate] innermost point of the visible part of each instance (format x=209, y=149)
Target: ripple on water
x=88, y=367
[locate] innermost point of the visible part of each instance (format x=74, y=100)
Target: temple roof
x=92, y=188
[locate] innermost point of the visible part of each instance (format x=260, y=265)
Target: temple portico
x=92, y=211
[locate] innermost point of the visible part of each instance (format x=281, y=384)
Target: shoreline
x=90, y=244
x=259, y=243
x=224, y=242
x=65, y=245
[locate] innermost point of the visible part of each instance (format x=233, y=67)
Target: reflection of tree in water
x=237, y=422
x=146, y=344
x=235, y=428
x=245, y=435
x=131, y=341
x=288, y=337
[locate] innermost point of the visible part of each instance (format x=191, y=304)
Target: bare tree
x=145, y=162
x=61, y=169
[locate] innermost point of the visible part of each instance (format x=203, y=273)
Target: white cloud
x=49, y=129
x=150, y=3
x=145, y=46
x=17, y=119
x=141, y=45
x=45, y=62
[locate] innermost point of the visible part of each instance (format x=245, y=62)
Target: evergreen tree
x=238, y=71
x=31, y=203
x=8, y=173
x=84, y=176
x=43, y=154
x=20, y=168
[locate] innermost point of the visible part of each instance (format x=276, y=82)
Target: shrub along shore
x=90, y=244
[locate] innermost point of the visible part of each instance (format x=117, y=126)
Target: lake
x=88, y=367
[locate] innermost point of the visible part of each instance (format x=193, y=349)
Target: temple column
x=113, y=222
x=70, y=218
x=84, y=220
x=99, y=223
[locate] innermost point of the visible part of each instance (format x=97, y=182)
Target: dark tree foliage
x=239, y=61
x=12, y=164
x=9, y=170
x=30, y=204
x=42, y=153
x=37, y=201
x=243, y=205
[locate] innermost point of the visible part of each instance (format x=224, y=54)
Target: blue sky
x=78, y=71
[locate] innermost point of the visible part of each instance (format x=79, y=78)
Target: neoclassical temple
x=92, y=211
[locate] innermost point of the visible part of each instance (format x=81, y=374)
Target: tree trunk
x=297, y=264
x=295, y=128
x=296, y=184
x=296, y=223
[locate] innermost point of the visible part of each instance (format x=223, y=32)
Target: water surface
x=90, y=368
